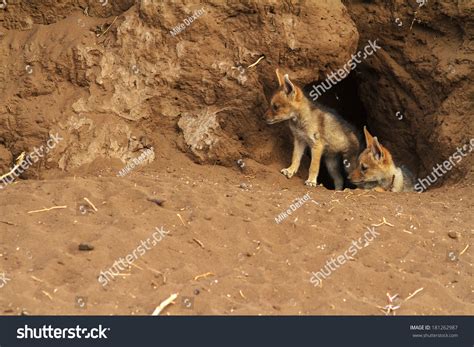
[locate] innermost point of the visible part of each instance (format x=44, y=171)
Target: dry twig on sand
x=91, y=204
x=47, y=294
x=164, y=304
x=181, y=219
x=414, y=293
x=207, y=274
x=198, y=242
x=48, y=209
x=391, y=307
x=99, y=35
x=37, y=279
x=135, y=265
x=258, y=61
x=384, y=222
x=464, y=250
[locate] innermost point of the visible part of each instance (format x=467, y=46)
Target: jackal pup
x=316, y=127
x=376, y=169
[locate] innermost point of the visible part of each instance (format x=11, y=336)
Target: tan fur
x=315, y=127
x=376, y=169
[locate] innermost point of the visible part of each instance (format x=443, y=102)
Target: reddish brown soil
x=113, y=81
x=258, y=267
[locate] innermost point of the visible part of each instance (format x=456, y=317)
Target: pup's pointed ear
x=377, y=149
x=369, y=139
x=290, y=89
x=280, y=77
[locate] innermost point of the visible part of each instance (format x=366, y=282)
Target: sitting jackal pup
x=376, y=169
x=316, y=127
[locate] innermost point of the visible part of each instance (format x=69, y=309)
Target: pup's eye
x=363, y=167
x=275, y=107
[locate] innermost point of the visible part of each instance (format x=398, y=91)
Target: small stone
x=85, y=247
x=453, y=234
x=159, y=202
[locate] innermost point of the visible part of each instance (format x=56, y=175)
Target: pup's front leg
x=298, y=150
x=316, y=154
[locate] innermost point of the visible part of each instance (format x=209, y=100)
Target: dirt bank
x=115, y=79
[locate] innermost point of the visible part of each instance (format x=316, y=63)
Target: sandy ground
x=103, y=76
x=221, y=222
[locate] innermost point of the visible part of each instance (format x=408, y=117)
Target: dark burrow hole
x=344, y=99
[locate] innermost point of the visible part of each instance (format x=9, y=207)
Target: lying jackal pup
x=376, y=170
x=316, y=127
